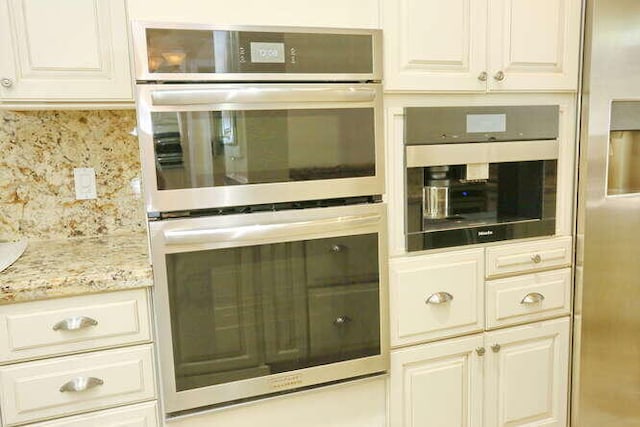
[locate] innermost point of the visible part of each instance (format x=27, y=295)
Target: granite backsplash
x=38, y=152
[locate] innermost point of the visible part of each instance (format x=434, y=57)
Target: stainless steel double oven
x=262, y=163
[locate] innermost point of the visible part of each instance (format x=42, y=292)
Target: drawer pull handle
x=532, y=298
x=537, y=259
x=74, y=323
x=81, y=384
x=439, y=298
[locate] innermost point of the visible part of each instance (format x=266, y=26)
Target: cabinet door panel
x=535, y=43
x=527, y=376
x=69, y=50
x=437, y=384
x=434, y=45
x=436, y=296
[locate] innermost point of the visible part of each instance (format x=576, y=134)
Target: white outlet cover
x=85, y=183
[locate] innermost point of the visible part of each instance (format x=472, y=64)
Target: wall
x=39, y=150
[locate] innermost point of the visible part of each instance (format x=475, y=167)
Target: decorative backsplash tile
x=38, y=152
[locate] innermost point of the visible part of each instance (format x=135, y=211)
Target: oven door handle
x=259, y=95
x=262, y=232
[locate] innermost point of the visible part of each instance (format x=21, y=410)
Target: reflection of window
x=228, y=128
x=623, y=171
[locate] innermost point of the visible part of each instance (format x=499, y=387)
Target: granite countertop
x=68, y=267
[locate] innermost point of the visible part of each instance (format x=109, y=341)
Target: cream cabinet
x=71, y=51
x=514, y=377
x=77, y=355
x=436, y=296
x=481, y=45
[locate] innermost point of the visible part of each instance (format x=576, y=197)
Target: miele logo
x=485, y=233
x=288, y=381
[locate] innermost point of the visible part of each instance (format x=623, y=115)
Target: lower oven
x=253, y=304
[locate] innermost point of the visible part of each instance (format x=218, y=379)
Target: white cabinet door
x=64, y=50
x=436, y=296
x=438, y=384
x=434, y=45
x=534, y=44
x=527, y=375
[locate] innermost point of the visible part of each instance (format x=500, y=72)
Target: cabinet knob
x=481, y=351
x=499, y=76
x=341, y=320
x=483, y=76
x=495, y=348
x=439, y=298
x=532, y=298
x=6, y=82
x=81, y=384
x=74, y=323
x=336, y=248
x=537, y=259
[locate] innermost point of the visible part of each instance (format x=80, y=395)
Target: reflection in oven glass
x=221, y=148
x=246, y=312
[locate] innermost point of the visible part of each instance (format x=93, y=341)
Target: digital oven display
x=270, y=53
x=482, y=123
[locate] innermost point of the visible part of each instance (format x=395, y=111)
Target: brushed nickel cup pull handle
x=499, y=76
x=6, y=82
x=81, y=384
x=495, y=348
x=74, y=323
x=483, y=76
x=439, y=298
x=537, y=259
x=481, y=351
x=532, y=298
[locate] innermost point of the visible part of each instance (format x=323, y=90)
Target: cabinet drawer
x=142, y=415
x=531, y=256
x=528, y=298
x=39, y=390
x=66, y=325
x=436, y=296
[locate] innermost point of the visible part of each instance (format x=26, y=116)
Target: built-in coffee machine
x=479, y=174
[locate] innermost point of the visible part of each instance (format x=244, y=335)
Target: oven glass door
x=209, y=146
x=242, y=302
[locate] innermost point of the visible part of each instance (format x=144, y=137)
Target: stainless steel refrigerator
x=606, y=379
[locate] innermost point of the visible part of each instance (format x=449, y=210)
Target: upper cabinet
x=72, y=51
x=481, y=45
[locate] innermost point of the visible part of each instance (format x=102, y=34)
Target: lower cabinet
x=513, y=377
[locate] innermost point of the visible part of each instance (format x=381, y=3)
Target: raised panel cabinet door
x=436, y=296
x=527, y=375
x=64, y=50
x=438, y=384
x=434, y=45
x=534, y=45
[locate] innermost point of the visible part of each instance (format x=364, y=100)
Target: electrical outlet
x=85, y=183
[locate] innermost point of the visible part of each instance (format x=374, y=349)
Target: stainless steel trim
x=532, y=298
x=81, y=384
x=260, y=95
x=252, y=233
x=439, y=298
x=74, y=323
x=490, y=152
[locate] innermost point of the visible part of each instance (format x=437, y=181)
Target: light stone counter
x=68, y=267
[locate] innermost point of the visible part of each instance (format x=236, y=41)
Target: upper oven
x=302, y=119
x=479, y=174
